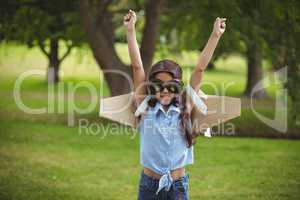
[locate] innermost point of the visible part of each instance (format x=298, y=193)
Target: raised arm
x=206, y=54
x=135, y=57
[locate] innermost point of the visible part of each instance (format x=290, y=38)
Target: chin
x=165, y=102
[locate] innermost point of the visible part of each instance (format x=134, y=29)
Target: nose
x=165, y=90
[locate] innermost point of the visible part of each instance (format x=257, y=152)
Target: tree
x=285, y=38
x=244, y=33
x=251, y=24
x=99, y=25
x=187, y=25
x=45, y=24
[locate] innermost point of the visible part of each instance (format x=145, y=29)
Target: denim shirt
x=163, y=145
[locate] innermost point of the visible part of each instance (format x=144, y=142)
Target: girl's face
x=165, y=97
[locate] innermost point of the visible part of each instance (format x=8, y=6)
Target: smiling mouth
x=164, y=95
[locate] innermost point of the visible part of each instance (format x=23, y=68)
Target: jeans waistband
x=154, y=183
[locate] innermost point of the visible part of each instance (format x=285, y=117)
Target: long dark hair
x=185, y=115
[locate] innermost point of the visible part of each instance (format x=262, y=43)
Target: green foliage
x=265, y=26
x=286, y=22
x=34, y=22
x=185, y=25
x=188, y=24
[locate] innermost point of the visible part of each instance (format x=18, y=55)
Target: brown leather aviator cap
x=166, y=66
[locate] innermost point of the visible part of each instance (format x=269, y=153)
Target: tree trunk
x=152, y=17
x=293, y=86
x=53, y=66
x=280, y=57
x=101, y=40
x=100, y=37
x=255, y=74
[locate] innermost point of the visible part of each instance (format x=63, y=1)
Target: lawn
x=41, y=157
x=52, y=161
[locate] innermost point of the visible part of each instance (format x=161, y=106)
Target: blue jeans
x=148, y=186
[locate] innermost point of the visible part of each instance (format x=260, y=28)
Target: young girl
x=166, y=137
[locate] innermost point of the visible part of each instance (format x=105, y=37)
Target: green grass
x=43, y=158
x=80, y=65
x=52, y=161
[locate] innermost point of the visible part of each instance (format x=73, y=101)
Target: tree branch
x=100, y=38
x=152, y=17
x=69, y=48
x=42, y=47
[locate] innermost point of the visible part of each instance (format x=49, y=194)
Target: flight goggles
x=173, y=86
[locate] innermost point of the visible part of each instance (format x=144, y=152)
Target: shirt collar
x=158, y=107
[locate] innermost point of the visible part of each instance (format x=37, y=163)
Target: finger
x=132, y=12
x=127, y=18
x=223, y=25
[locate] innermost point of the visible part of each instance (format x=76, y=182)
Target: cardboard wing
x=119, y=109
x=220, y=109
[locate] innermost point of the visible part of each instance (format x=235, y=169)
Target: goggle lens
x=173, y=86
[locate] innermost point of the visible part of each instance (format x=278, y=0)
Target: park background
x=43, y=157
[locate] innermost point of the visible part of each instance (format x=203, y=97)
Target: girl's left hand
x=129, y=20
x=219, y=26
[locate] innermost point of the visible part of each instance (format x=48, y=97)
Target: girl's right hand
x=129, y=19
x=219, y=26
